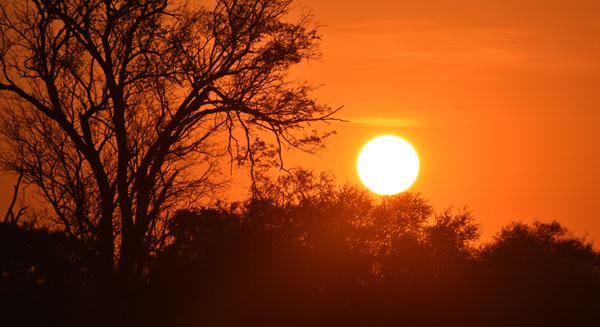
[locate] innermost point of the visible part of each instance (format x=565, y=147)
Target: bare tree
x=11, y=217
x=118, y=110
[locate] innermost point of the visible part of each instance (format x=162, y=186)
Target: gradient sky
x=501, y=99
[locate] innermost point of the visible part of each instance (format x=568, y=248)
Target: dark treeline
x=307, y=253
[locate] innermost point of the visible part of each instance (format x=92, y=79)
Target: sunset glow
x=299, y=163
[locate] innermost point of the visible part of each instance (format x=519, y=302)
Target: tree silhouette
x=107, y=105
x=11, y=217
x=307, y=252
x=541, y=273
x=250, y=263
x=303, y=251
x=452, y=235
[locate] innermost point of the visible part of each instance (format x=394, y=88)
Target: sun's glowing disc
x=388, y=165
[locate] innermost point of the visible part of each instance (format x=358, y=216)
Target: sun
x=388, y=165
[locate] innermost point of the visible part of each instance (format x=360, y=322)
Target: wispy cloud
x=389, y=121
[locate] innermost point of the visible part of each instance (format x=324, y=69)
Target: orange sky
x=500, y=99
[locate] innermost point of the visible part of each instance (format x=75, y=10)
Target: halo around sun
x=388, y=165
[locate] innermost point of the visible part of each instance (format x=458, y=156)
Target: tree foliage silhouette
x=322, y=255
x=107, y=105
x=541, y=272
x=303, y=250
x=307, y=252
